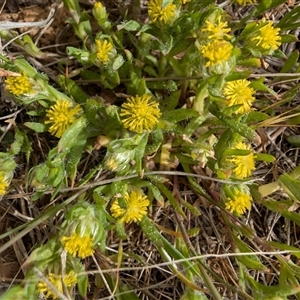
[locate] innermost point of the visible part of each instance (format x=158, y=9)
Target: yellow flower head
x=140, y=113
x=239, y=92
x=98, y=5
x=268, y=37
x=185, y=1
x=104, y=49
x=61, y=116
x=19, y=85
x=216, y=52
x=76, y=245
x=244, y=164
x=158, y=13
x=216, y=30
x=239, y=203
x=245, y=2
x=3, y=183
x=68, y=281
x=135, y=209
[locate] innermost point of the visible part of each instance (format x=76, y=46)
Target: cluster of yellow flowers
x=239, y=202
x=61, y=116
x=59, y=282
x=217, y=49
x=104, y=49
x=140, y=113
x=158, y=13
x=266, y=37
x=77, y=245
x=19, y=85
x=238, y=92
x=134, y=208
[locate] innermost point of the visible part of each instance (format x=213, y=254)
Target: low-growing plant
x=186, y=99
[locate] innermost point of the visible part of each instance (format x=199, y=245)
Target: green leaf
x=284, y=247
x=242, y=129
x=252, y=62
x=180, y=114
x=73, y=157
x=294, y=140
x=291, y=186
x=93, y=109
x=73, y=89
x=69, y=137
x=37, y=127
x=282, y=207
x=265, y=157
x=118, y=63
x=290, y=62
x=250, y=261
x=260, y=86
x=238, y=75
x=170, y=197
x=129, y=26
x=256, y=116
x=260, y=291
x=172, y=101
x=267, y=5
x=289, y=19
x=289, y=38
x=181, y=46
x=81, y=56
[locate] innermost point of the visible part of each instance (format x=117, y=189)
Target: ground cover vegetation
x=156, y=188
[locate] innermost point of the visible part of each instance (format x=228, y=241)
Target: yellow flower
x=216, y=52
x=185, y=1
x=19, y=85
x=158, y=13
x=140, y=113
x=98, y=5
x=68, y=281
x=3, y=183
x=239, y=204
x=104, y=48
x=244, y=164
x=136, y=207
x=268, y=37
x=216, y=31
x=61, y=116
x=76, y=245
x=245, y=2
x=239, y=92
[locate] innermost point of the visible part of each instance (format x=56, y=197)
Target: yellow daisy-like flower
x=136, y=207
x=140, y=113
x=239, y=92
x=239, y=204
x=104, y=48
x=3, y=183
x=61, y=116
x=268, y=37
x=76, y=245
x=158, y=13
x=68, y=281
x=218, y=30
x=244, y=164
x=245, y=2
x=19, y=85
x=216, y=52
